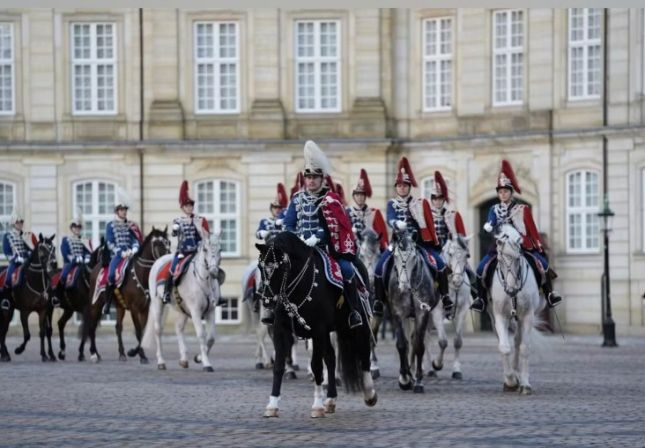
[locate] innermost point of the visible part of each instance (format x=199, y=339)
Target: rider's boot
x=167, y=292
x=553, y=299
x=479, y=304
x=472, y=279
x=57, y=294
x=351, y=295
x=444, y=293
x=379, y=299
x=109, y=296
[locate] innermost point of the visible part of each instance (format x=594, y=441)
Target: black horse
x=31, y=296
x=311, y=307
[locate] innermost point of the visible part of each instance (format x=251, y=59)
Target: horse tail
x=353, y=350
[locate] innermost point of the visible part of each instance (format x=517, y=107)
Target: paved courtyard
x=584, y=396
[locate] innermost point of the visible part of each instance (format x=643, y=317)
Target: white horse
x=515, y=301
x=263, y=351
x=455, y=253
x=195, y=297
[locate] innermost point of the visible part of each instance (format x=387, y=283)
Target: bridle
x=511, y=269
x=407, y=250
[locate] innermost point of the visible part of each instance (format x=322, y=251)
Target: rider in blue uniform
x=75, y=253
x=406, y=213
x=274, y=223
x=16, y=250
x=189, y=229
x=123, y=240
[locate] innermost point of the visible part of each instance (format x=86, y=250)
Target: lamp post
x=608, y=326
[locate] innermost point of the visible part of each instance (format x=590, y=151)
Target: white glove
x=263, y=234
x=175, y=227
x=488, y=227
x=312, y=241
x=354, y=229
x=20, y=260
x=125, y=253
x=279, y=222
x=87, y=259
x=79, y=259
x=401, y=225
x=134, y=250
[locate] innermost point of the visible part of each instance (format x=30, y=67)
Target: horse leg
x=330, y=363
x=421, y=329
x=5, y=319
x=282, y=343
x=510, y=378
x=210, y=331
x=201, y=337
x=138, y=331
x=62, y=321
x=42, y=330
x=460, y=320
x=294, y=355
x=180, y=326
x=405, y=382
x=319, y=343
x=48, y=312
x=24, y=320
x=156, y=314
x=375, y=323
x=522, y=347
x=120, y=314
x=92, y=324
x=442, y=338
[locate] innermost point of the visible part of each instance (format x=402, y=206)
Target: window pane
x=206, y=198
x=228, y=238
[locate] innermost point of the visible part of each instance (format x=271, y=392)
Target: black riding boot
x=472, y=279
x=553, y=299
x=379, y=299
x=167, y=292
x=351, y=295
x=109, y=296
x=479, y=304
x=442, y=278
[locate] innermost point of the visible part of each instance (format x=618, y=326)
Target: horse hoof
x=259, y=366
x=526, y=390
x=407, y=386
x=197, y=359
x=431, y=374
x=457, y=376
x=317, y=412
x=271, y=412
x=436, y=367
x=5, y=358
x=295, y=367
x=133, y=352
x=418, y=389
x=61, y=356
x=508, y=388
x=44, y=359
x=19, y=350
x=52, y=358
x=143, y=361
x=95, y=358
x=208, y=369
x=81, y=358
x=291, y=376
x=372, y=401
x=161, y=367
x=122, y=358
x=376, y=373
x=183, y=364
x=330, y=407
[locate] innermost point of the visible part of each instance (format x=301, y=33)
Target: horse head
x=508, y=241
x=45, y=252
x=404, y=255
x=456, y=254
x=156, y=244
x=212, y=250
x=276, y=259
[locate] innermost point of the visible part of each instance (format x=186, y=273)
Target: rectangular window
x=582, y=207
x=317, y=66
x=95, y=201
x=585, y=53
x=7, y=204
x=216, y=46
x=219, y=202
x=94, y=62
x=437, y=64
x=7, y=91
x=229, y=312
x=508, y=57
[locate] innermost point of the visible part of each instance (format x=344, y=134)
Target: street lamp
x=608, y=326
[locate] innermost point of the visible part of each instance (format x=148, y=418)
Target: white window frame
x=7, y=217
x=643, y=209
x=95, y=216
x=507, y=53
x=438, y=57
x=238, y=308
x=217, y=61
x=585, y=44
x=93, y=62
x=216, y=216
x=583, y=210
x=11, y=62
x=317, y=60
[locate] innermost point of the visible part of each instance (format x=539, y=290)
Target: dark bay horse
x=311, y=307
x=31, y=296
x=132, y=296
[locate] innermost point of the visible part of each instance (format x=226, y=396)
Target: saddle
x=3, y=277
x=536, y=267
x=70, y=281
x=119, y=276
x=180, y=270
x=16, y=277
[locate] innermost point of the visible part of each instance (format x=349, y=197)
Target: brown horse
x=31, y=296
x=77, y=300
x=132, y=296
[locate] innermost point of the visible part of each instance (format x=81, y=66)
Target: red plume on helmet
x=440, y=187
x=184, y=199
x=340, y=191
x=298, y=184
x=404, y=174
x=507, y=178
x=363, y=185
x=281, y=199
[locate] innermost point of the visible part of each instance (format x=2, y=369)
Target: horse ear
x=165, y=230
x=40, y=237
x=153, y=229
x=51, y=238
x=260, y=247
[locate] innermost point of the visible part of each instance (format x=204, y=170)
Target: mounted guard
x=364, y=217
x=76, y=252
x=509, y=211
x=448, y=223
x=189, y=229
x=124, y=240
x=274, y=223
x=404, y=212
x=18, y=251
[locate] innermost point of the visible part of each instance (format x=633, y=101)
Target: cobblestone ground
x=584, y=396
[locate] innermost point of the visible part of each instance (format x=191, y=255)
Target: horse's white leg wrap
x=273, y=407
x=318, y=397
x=368, y=386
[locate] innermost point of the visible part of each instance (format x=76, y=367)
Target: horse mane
x=289, y=243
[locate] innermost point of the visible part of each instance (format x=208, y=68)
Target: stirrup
x=378, y=308
x=55, y=301
x=354, y=320
x=268, y=317
x=5, y=305
x=478, y=305
x=553, y=299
